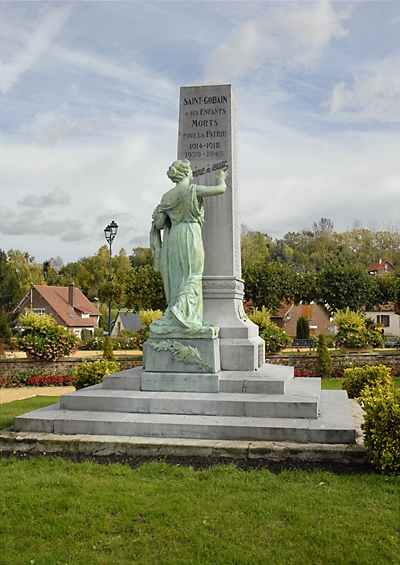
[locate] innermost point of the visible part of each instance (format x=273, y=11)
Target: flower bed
x=38, y=380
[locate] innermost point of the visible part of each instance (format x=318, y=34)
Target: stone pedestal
x=200, y=356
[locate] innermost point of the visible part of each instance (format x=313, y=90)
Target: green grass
x=55, y=512
x=11, y=409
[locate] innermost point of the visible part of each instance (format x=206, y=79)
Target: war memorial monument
x=204, y=375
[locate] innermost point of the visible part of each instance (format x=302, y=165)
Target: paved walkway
x=10, y=394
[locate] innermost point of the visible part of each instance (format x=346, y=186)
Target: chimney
x=71, y=294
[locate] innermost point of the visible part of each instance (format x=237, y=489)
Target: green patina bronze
x=179, y=254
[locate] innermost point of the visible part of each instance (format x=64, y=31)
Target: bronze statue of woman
x=179, y=254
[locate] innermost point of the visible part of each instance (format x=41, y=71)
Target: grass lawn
x=56, y=512
x=11, y=409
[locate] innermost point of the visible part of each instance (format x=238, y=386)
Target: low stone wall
x=309, y=362
x=302, y=362
x=60, y=367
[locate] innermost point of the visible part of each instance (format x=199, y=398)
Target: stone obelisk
x=208, y=138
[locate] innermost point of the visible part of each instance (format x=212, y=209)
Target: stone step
x=335, y=424
x=269, y=379
x=300, y=401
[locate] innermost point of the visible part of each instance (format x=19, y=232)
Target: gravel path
x=10, y=394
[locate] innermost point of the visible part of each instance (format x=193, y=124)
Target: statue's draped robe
x=180, y=260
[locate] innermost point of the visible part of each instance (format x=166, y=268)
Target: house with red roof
x=380, y=268
x=318, y=318
x=66, y=304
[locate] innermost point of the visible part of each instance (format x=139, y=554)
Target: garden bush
x=36, y=377
x=261, y=317
x=108, y=352
x=303, y=328
x=43, y=339
x=324, y=361
x=92, y=372
x=382, y=426
x=148, y=316
x=275, y=338
x=357, y=378
x=353, y=332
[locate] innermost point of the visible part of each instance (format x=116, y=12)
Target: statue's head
x=179, y=170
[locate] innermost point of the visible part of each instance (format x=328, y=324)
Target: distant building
x=66, y=304
x=381, y=268
x=384, y=315
x=126, y=321
x=286, y=318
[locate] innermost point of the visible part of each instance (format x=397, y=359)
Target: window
x=306, y=310
x=39, y=311
x=383, y=319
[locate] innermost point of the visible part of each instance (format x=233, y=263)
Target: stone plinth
x=183, y=355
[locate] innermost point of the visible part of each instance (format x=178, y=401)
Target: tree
x=5, y=332
x=324, y=362
x=108, y=352
x=303, y=328
x=254, y=248
x=269, y=284
x=11, y=290
x=345, y=286
x=144, y=290
x=141, y=256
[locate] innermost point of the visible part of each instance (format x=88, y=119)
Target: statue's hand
x=155, y=214
x=221, y=176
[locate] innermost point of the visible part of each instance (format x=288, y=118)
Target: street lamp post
x=110, y=232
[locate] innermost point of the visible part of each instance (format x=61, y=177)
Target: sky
x=89, y=94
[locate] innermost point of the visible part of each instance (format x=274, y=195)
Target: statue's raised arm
x=179, y=253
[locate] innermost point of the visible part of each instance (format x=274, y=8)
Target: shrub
x=347, y=320
x=5, y=332
x=359, y=339
x=94, y=344
x=382, y=426
x=86, y=335
x=302, y=373
x=357, y=378
x=275, y=338
x=51, y=345
x=261, y=317
x=330, y=340
x=43, y=339
x=92, y=372
x=324, y=362
x=148, y=316
x=108, y=352
x=303, y=328
x=36, y=377
x=139, y=338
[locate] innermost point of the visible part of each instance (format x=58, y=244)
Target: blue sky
x=89, y=97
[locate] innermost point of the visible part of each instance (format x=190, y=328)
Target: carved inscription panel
x=207, y=137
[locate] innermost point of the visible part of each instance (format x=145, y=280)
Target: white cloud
x=294, y=35
x=77, y=231
x=37, y=44
x=26, y=223
x=53, y=198
x=374, y=94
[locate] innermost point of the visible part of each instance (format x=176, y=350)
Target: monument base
x=182, y=356
x=266, y=405
x=179, y=382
